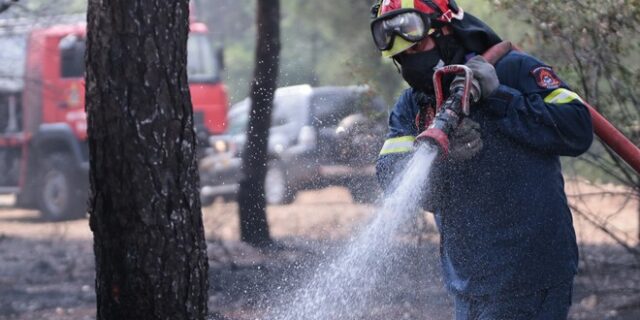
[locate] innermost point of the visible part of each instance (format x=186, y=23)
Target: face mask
x=418, y=68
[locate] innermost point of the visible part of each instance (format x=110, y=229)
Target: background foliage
x=324, y=42
x=592, y=44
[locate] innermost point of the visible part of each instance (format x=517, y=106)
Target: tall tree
x=254, y=228
x=151, y=259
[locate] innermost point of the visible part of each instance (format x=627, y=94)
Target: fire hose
x=450, y=112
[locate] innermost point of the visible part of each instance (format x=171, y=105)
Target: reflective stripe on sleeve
x=562, y=96
x=398, y=145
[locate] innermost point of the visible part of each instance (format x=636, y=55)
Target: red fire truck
x=43, y=147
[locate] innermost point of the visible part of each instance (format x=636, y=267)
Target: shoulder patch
x=546, y=78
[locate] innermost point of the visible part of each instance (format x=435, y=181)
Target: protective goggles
x=409, y=24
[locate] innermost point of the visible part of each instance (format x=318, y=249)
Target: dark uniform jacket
x=503, y=217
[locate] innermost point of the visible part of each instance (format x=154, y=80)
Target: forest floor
x=47, y=269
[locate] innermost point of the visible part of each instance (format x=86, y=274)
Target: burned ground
x=46, y=269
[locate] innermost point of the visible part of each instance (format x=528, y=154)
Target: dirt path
x=46, y=269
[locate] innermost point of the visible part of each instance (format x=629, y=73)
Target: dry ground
x=46, y=269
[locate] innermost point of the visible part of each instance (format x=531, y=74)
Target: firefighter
x=508, y=247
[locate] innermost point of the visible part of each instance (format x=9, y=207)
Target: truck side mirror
x=220, y=57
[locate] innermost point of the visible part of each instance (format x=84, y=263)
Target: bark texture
x=151, y=259
x=254, y=228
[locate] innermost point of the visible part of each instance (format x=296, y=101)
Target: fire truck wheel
x=60, y=196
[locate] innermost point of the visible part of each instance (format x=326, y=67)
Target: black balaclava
x=418, y=68
x=470, y=35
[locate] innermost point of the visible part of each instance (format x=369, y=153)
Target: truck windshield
x=12, y=60
x=202, y=64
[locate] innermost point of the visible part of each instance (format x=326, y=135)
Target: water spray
x=349, y=284
x=343, y=287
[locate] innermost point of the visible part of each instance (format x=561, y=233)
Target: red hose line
x=613, y=138
x=607, y=133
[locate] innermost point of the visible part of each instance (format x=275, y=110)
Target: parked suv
x=319, y=136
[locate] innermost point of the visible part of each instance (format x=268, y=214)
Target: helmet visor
x=410, y=25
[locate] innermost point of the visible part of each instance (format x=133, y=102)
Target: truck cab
x=44, y=158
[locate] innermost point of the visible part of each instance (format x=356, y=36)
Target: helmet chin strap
x=450, y=15
x=396, y=63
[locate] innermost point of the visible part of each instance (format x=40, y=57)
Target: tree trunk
x=151, y=258
x=254, y=228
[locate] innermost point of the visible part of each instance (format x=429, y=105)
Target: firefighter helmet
x=400, y=24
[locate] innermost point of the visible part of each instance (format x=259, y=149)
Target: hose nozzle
x=436, y=138
x=451, y=111
x=444, y=124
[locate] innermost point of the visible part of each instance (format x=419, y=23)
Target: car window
x=376, y=108
x=238, y=117
x=290, y=113
x=331, y=106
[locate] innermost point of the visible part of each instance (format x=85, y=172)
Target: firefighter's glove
x=485, y=74
x=466, y=141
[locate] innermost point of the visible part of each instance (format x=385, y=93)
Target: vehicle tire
x=62, y=195
x=230, y=197
x=276, y=186
x=206, y=201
